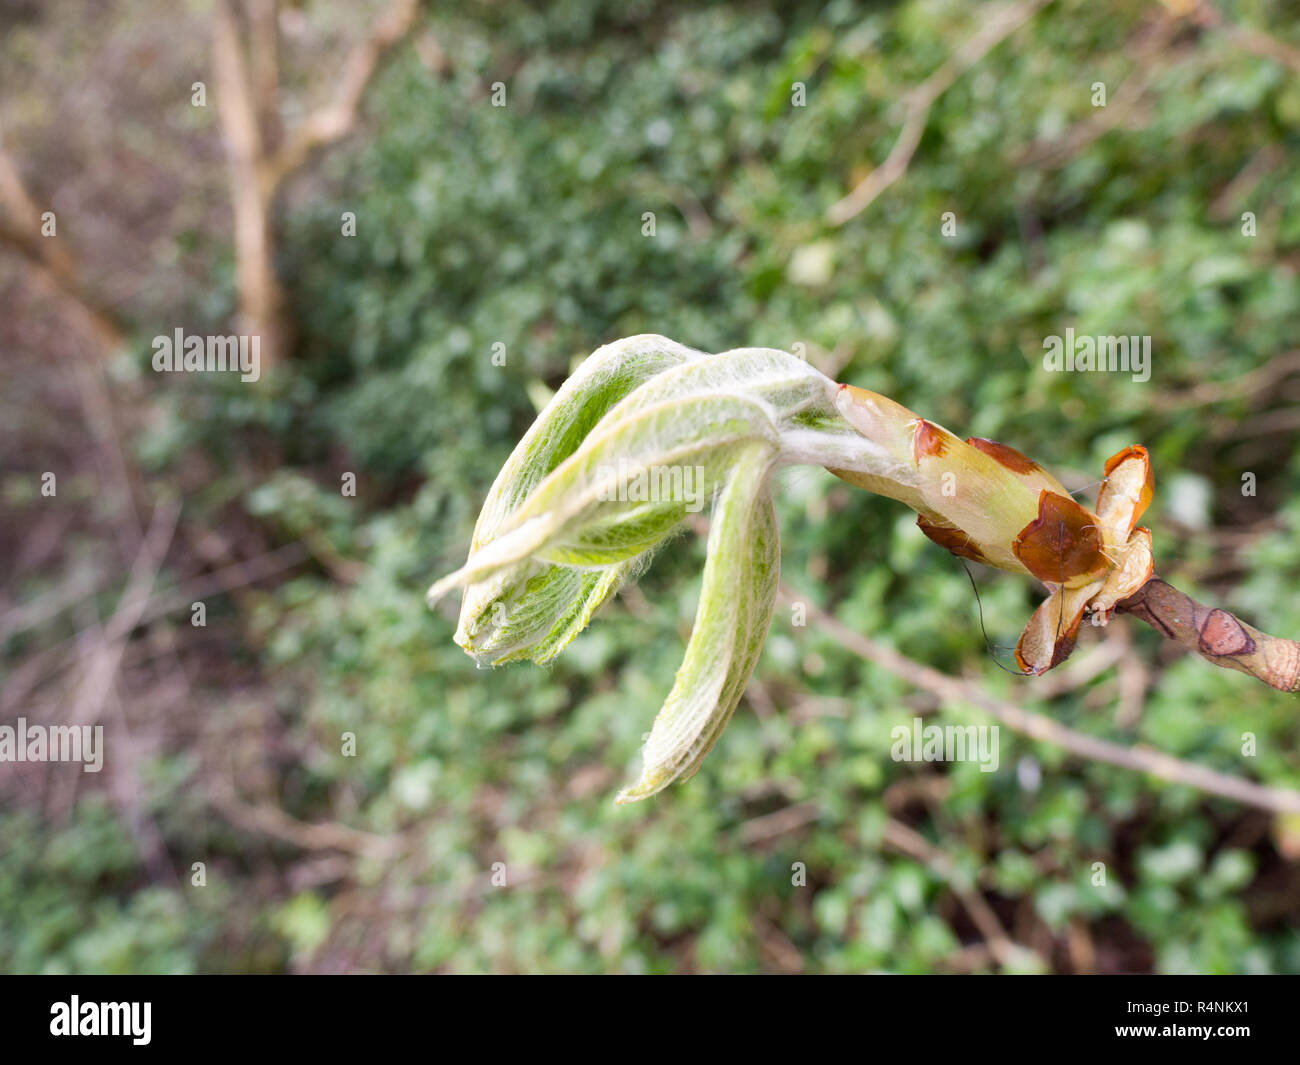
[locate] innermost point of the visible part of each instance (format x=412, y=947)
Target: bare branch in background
x=99, y=672
x=259, y=165
x=55, y=267
x=1036, y=726
x=272, y=821
x=1151, y=56
x=1250, y=385
x=261, y=296
x=49, y=257
x=918, y=102
x=1254, y=41
x=911, y=843
x=264, y=64
x=338, y=118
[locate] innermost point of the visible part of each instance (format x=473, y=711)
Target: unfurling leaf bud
x=644, y=433
x=647, y=432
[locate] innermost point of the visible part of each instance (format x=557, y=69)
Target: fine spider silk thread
x=989, y=645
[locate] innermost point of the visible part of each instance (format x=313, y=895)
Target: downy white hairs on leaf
x=560, y=531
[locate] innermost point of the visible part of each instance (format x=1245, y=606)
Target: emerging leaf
x=647, y=432
x=570, y=516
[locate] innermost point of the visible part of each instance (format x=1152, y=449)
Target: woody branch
x=260, y=161
x=1216, y=635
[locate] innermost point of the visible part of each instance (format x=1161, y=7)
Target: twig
x=102, y=416
x=914, y=845
x=918, y=102
x=778, y=945
x=1039, y=727
x=32, y=615
x=976, y=956
x=129, y=794
x=42, y=665
x=1150, y=59
x=1247, y=385
x=274, y=822
x=779, y=822
x=1133, y=682
x=1251, y=40
x=1077, y=673
x=1275, y=421
x=229, y=578
x=97, y=679
x=1216, y=635
x=49, y=258
x=1262, y=163
x=337, y=118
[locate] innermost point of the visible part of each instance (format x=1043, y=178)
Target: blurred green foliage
x=522, y=226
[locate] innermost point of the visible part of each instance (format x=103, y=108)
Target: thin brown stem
x=338, y=117
x=996, y=28
x=50, y=259
x=1043, y=728
x=911, y=843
